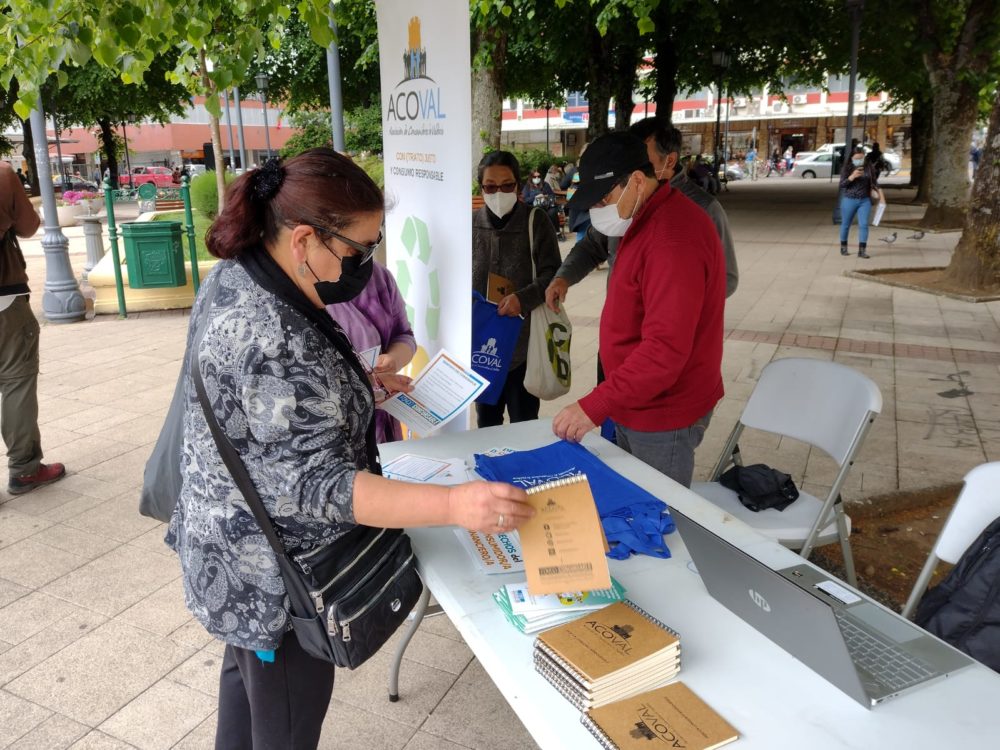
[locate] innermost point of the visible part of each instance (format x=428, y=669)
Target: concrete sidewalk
x=98, y=651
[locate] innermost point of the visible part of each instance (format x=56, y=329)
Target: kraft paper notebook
x=668, y=717
x=610, y=644
x=563, y=544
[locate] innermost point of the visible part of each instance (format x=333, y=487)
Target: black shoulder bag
x=347, y=598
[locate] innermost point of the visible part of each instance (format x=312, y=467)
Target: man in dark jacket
x=19, y=345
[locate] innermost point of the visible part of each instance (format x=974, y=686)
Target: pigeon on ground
x=888, y=240
x=917, y=236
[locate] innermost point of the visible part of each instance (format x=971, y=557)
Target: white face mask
x=537, y=180
x=607, y=221
x=500, y=203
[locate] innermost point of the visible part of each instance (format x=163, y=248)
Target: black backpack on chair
x=964, y=609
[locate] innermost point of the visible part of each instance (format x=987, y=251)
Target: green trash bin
x=154, y=254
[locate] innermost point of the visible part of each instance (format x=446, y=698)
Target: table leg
x=397, y=659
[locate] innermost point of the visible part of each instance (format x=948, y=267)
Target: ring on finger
x=500, y=521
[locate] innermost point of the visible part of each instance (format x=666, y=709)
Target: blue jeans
x=848, y=208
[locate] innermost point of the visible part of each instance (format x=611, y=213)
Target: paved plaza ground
x=97, y=650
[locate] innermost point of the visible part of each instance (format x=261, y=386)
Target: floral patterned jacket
x=297, y=413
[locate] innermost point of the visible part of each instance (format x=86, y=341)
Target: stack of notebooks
x=607, y=655
x=670, y=716
x=530, y=614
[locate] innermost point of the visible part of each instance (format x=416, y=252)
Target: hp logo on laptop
x=759, y=600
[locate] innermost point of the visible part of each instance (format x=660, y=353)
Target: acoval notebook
x=610, y=643
x=667, y=717
x=563, y=543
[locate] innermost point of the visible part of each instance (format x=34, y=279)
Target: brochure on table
x=441, y=391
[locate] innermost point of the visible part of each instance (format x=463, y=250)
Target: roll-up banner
x=426, y=126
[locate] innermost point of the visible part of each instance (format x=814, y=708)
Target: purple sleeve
x=400, y=329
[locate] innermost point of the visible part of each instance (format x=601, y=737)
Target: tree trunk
x=956, y=107
x=976, y=261
x=626, y=76
x=920, y=142
x=599, y=83
x=28, y=149
x=666, y=65
x=488, y=83
x=110, y=151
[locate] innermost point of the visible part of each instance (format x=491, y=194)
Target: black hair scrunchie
x=267, y=180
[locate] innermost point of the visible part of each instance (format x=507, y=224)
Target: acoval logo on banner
x=426, y=125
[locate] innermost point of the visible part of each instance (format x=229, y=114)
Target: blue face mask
x=857, y=162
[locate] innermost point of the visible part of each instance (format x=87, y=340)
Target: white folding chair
x=977, y=506
x=830, y=407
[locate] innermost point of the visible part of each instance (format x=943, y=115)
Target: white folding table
x=771, y=698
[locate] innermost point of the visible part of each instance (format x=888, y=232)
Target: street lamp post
x=854, y=9
x=262, y=81
x=239, y=128
x=61, y=300
x=720, y=61
x=333, y=81
x=128, y=162
x=229, y=125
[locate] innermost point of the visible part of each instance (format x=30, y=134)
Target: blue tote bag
x=493, y=340
x=634, y=521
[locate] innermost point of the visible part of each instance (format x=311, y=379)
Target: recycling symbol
x=418, y=282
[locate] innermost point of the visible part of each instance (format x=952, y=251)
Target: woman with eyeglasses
x=290, y=394
x=502, y=245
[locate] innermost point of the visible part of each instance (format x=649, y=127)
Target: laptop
x=864, y=650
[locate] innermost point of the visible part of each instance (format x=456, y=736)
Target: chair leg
x=418, y=616
x=845, y=542
x=920, y=586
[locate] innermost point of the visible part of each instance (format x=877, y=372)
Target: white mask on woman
x=536, y=180
x=606, y=220
x=500, y=203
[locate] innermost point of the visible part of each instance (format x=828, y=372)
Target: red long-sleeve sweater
x=661, y=329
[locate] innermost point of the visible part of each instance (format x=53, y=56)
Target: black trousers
x=276, y=705
x=520, y=405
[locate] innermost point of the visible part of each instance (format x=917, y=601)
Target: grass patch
x=201, y=225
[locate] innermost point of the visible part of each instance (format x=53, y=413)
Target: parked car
x=810, y=164
x=893, y=159
x=159, y=176
x=75, y=183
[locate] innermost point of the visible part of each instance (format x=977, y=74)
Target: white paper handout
x=412, y=468
x=879, y=211
x=441, y=391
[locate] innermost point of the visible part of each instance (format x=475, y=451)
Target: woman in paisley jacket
x=292, y=397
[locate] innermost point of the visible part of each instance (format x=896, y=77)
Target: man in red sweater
x=661, y=328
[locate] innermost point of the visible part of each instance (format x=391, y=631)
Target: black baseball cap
x=605, y=162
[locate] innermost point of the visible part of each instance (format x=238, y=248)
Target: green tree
x=95, y=96
x=314, y=132
x=976, y=260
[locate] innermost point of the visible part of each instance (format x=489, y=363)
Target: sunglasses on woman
x=507, y=187
x=366, y=251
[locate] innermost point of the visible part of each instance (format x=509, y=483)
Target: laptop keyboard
x=880, y=657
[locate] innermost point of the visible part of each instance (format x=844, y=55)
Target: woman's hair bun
x=267, y=180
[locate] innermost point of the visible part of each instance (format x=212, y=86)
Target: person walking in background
x=789, y=158
x=553, y=177
x=290, y=393
x=377, y=317
x=877, y=160
x=751, y=162
x=501, y=244
x=537, y=192
x=858, y=179
x=19, y=333
x=975, y=155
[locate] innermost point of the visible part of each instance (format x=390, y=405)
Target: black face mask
x=354, y=277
